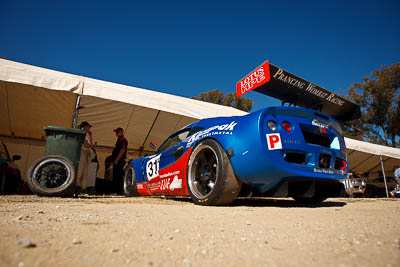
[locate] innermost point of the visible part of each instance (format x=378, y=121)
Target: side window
x=174, y=139
x=178, y=137
x=194, y=130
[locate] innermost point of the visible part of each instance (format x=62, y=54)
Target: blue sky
x=188, y=47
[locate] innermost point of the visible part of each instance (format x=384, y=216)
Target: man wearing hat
x=87, y=155
x=396, y=190
x=118, y=160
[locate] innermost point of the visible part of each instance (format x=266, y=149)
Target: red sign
x=255, y=79
x=274, y=141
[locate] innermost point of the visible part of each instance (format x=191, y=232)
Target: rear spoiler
x=273, y=81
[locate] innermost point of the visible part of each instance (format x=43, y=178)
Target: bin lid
x=64, y=129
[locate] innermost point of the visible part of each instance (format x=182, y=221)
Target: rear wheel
x=52, y=175
x=210, y=177
x=130, y=189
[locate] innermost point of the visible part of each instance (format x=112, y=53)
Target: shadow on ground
x=274, y=202
x=285, y=203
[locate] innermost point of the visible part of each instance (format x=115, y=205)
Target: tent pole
x=77, y=107
x=384, y=177
x=148, y=134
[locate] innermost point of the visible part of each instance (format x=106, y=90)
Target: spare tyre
x=52, y=176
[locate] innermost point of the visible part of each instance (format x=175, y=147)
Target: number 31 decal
x=152, y=168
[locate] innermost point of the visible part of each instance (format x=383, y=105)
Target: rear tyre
x=310, y=200
x=130, y=189
x=52, y=176
x=210, y=177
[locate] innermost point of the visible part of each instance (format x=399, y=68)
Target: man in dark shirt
x=118, y=158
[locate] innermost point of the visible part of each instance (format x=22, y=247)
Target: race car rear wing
x=273, y=81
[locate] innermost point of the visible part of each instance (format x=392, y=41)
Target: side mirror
x=153, y=145
x=16, y=157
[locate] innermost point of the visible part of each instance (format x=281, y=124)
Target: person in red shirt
x=117, y=159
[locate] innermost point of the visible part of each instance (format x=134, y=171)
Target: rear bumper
x=300, y=186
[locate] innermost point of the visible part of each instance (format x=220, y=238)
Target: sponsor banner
x=169, y=185
x=168, y=181
x=326, y=171
x=292, y=89
x=175, y=184
x=215, y=130
x=255, y=79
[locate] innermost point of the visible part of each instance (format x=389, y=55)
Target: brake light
x=344, y=165
x=272, y=125
x=340, y=164
x=287, y=126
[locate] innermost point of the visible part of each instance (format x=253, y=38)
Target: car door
x=161, y=170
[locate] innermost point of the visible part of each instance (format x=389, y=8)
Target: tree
x=230, y=100
x=379, y=98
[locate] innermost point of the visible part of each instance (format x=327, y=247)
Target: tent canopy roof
x=365, y=157
x=30, y=75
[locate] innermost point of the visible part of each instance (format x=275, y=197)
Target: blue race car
x=277, y=151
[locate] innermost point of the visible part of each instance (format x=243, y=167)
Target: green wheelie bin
x=55, y=173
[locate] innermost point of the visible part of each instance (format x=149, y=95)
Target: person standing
x=117, y=159
x=397, y=179
x=397, y=174
x=85, y=159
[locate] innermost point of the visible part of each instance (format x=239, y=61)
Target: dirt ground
x=117, y=231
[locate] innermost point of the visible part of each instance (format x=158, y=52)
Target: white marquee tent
x=366, y=157
x=33, y=97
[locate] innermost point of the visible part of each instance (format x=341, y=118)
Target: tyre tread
x=133, y=192
x=230, y=186
x=67, y=191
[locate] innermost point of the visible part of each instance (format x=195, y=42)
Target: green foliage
x=230, y=99
x=379, y=97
